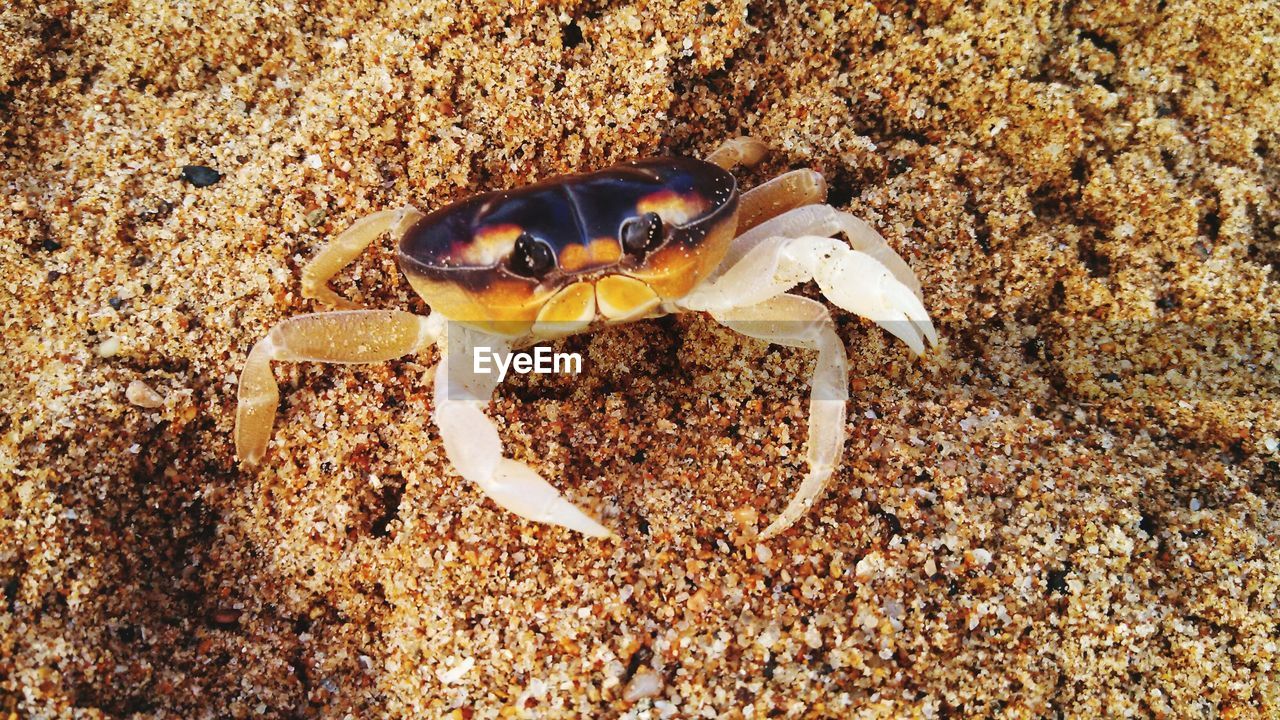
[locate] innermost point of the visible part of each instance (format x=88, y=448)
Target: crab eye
x=642, y=234
x=531, y=258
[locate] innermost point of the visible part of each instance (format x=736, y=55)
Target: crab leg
x=738, y=151
x=339, y=253
x=472, y=444
x=781, y=194
x=352, y=336
x=799, y=322
x=748, y=294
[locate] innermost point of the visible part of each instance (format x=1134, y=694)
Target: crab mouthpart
x=621, y=298
x=567, y=312
x=613, y=298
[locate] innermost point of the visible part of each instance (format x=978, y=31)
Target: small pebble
x=763, y=553
x=115, y=303
x=812, y=637
x=449, y=676
x=746, y=517
x=141, y=394
x=315, y=216
x=571, y=35
x=200, y=176
x=225, y=617
x=50, y=245
x=109, y=347
x=644, y=684
x=698, y=601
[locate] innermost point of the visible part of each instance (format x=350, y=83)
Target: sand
x=1067, y=510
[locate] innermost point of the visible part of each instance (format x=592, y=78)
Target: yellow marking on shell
x=489, y=246
x=568, y=311
x=506, y=307
x=620, y=298
x=600, y=252
x=672, y=207
x=672, y=271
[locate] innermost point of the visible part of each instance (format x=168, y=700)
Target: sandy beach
x=1068, y=509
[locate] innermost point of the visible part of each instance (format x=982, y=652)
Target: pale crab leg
x=757, y=272
x=781, y=194
x=785, y=192
x=349, y=336
x=472, y=444
x=738, y=151
x=799, y=322
x=340, y=251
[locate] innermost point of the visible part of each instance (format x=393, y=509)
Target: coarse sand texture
x=1067, y=509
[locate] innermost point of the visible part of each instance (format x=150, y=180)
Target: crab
x=507, y=269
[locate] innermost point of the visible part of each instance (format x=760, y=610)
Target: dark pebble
x=571, y=35
x=199, y=175
x=115, y=303
x=1057, y=581
x=51, y=245
x=225, y=617
x=53, y=275
x=641, y=656
x=1148, y=525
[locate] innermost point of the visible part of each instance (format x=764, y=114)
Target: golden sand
x=1067, y=510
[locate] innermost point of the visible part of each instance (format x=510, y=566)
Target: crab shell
x=457, y=258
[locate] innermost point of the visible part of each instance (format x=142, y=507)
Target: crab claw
x=472, y=444
x=748, y=293
x=857, y=282
x=516, y=487
x=861, y=284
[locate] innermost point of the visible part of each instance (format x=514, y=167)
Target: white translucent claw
x=826, y=221
x=472, y=444
x=853, y=280
x=516, y=487
x=826, y=440
x=470, y=439
x=746, y=293
x=859, y=283
x=801, y=322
